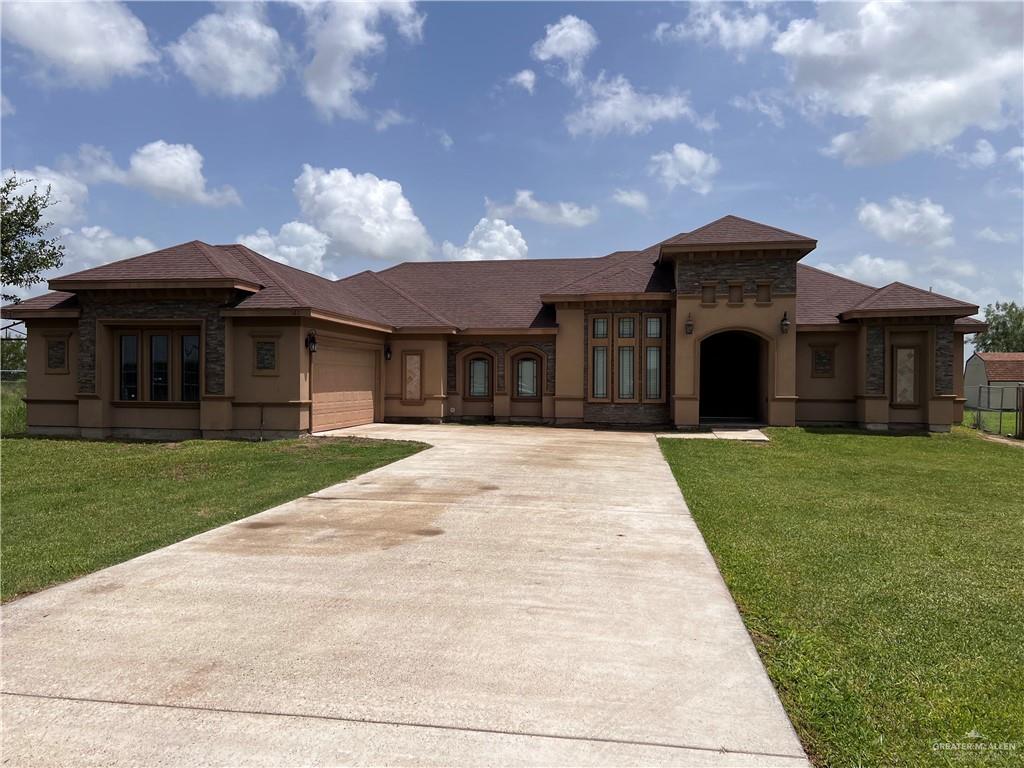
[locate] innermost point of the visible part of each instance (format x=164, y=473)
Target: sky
x=343, y=137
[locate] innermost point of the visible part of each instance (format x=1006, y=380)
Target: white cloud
x=733, y=31
x=910, y=222
x=342, y=36
x=1015, y=155
x=525, y=79
x=612, y=105
x=68, y=193
x=983, y=156
x=491, y=239
x=632, y=198
x=571, y=41
x=362, y=214
x=914, y=79
x=763, y=102
x=446, y=140
x=297, y=244
x=685, y=166
x=389, y=118
x=233, y=52
x=89, y=247
x=526, y=207
x=85, y=44
x=6, y=108
x=873, y=270
x=992, y=236
x=166, y=171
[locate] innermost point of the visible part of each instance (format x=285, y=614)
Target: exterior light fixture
x=387, y=352
x=688, y=326
x=311, y=341
x=784, y=325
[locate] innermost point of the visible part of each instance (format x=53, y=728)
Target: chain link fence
x=1000, y=411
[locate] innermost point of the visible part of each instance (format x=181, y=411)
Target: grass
x=880, y=577
x=990, y=421
x=70, y=507
x=12, y=409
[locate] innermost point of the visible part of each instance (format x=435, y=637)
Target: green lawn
x=881, y=579
x=12, y=409
x=990, y=421
x=70, y=507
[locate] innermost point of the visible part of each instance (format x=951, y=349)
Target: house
x=721, y=324
x=1003, y=371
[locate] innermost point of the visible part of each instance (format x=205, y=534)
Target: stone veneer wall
x=875, y=360
x=94, y=308
x=692, y=274
x=944, y=360
x=500, y=349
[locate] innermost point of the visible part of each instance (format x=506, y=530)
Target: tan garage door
x=344, y=386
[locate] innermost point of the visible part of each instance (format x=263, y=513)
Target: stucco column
x=570, y=387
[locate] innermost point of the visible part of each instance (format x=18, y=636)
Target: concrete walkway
x=512, y=596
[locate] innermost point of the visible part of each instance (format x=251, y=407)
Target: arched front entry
x=733, y=377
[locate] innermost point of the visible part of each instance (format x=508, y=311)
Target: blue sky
x=344, y=137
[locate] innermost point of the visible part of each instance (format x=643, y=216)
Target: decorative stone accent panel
x=691, y=275
x=94, y=308
x=875, y=361
x=500, y=349
x=645, y=414
x=944, y=360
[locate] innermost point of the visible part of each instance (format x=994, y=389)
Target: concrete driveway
x=512, y=596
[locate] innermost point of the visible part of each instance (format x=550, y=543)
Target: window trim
x=142, y=329
x=607, y=327
x=517, y=358
x=64, y=336
x=467, y=365
x=606, y=343
x=620, y=343
x=273, y=338
x=659, y=343
x=118, y=370
x=736, y=286
x=767, y=285
x=406, y=354
x=917, y=376
x=704, y=288
x=831, y=348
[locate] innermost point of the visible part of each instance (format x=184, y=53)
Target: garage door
x=344, y=386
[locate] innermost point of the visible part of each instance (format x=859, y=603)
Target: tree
x=1005, y=328
x=12, y=354
x=26, y=250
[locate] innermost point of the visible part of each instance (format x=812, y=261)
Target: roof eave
x=803, y=246
x=31, y=313
x=553, y=298
x=957, y=312
x=71, y=284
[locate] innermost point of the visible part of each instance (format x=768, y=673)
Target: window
x=653, y=327
x=764, y=293
x=652, y=376
x=190, y=367
x=56, y=354
x=159, y=368
x=904, y=389
x=709, y=294
x=412, y=377
x=479, y=374
x=599, y=378
x=627, y=327
x=626, y=373
x=264, y=357
x=527, y=368
x=129, y=375
x=600, y=327
x=823, y=362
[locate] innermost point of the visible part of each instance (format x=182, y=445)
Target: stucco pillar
x=570, y=388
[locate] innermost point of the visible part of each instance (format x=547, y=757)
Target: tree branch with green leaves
x=26, y=250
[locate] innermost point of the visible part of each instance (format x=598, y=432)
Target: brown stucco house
x=721, y=324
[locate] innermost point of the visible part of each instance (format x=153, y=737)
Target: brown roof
x=194, y=260
x=733, y=230
x=821, y=296
x=970, y=325
x=400, y=308
x=1003, y=366
x=902, y=297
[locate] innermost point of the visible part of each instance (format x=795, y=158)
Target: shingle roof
x=1003, y=366
x=400, y=308
x=51, y=300
x=821, y=296
x=194, y=260
x=733, y=230
x=900, y=296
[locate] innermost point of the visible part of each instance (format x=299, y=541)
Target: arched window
x=527, y=376
x=478, y=377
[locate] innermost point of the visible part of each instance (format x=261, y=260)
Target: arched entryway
x=733, y=378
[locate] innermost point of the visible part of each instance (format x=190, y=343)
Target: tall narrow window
x=526, y=377
x=479, y=377
x=159, y=368
x=653, y=374
x=190, y=367
x=626, y=373
x=599, y=385
x=129, y=368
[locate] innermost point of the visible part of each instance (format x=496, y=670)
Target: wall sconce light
x=688, y=325
x=311, y=341
x=387, y=352
x=784, y=325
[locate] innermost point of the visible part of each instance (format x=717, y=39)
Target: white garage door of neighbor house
x=344, y=386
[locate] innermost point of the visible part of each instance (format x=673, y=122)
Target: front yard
x=70, y=507
x=880, y=577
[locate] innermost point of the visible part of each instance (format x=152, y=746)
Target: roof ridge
x=211, y=252
x=248, y=253
x=410, y=299
x=613, y=267
x=900, y=283
x=838, y=277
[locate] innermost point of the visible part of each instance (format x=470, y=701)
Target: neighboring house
x=721, y=324
x=1003, y=370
